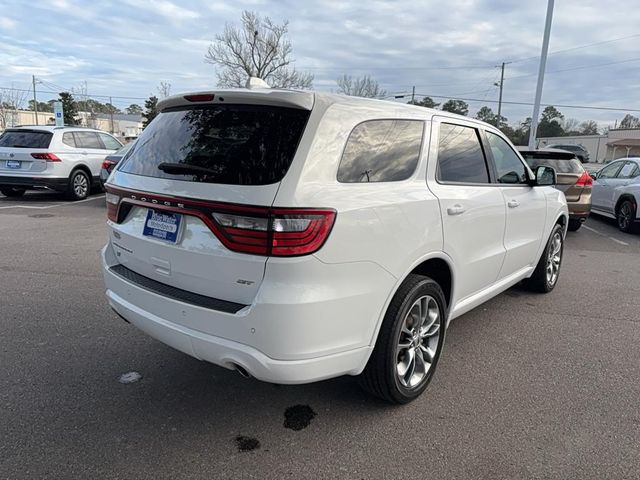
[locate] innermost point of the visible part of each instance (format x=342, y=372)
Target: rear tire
x=545, y=276
x=409, y=343
x=626, y=215
x=13, y=191
x=574, y=225
x=79, y=186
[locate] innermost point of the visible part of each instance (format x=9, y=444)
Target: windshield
x=239, y=144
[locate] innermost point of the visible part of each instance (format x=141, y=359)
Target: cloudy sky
x=443, y=48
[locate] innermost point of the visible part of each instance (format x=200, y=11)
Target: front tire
x=626, y=215
x=409, y=343
x=79, y=186
x=13, y=191
x=545, y=276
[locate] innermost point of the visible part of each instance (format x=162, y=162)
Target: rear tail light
x=107, y=164
x=49, y=157
x=585, y=180
x=113, y=202
x=281, y=232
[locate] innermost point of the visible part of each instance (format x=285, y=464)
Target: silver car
x=616, y=192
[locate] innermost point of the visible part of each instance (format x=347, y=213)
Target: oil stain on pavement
x=298, y=417
x=247, y=444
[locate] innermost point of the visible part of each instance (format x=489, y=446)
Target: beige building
x=124, y=126
x=616, y=143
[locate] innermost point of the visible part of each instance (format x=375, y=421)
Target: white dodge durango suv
x=65, y=159
x=297, y=236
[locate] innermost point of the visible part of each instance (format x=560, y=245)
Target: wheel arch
x=437, y=266
x=85, y=168
x=622, y=198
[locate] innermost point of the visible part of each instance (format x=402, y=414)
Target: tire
x=79, y=186
x=545, y=276
x=418, y=344
x=626, y=215
x=574, y=225
x=13, y=191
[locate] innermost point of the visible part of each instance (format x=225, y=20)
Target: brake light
x=585, y=180
x=113, y=202
x=202, y=97
x=49, y=157
x=282, y=232
x=107, y=164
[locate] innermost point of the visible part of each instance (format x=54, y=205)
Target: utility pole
x=111, y=113
x=543, y=65
x=501, y=85
x=35, y=100
x=413, y=95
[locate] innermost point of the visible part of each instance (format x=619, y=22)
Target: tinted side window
x=460, y=155
x=509, y=167
x=110, y=143
x=88, y=140
x=610, y=171
x=67, y=139
x=381, y=151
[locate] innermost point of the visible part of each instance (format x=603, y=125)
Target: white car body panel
x=317, y=316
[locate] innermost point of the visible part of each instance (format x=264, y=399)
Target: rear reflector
x=281, y=232
x=203, y=97
x=585, y=180
x=49, y=157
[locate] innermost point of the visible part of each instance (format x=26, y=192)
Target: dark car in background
x=578, y=150
x=110, y=162
x=572, y=179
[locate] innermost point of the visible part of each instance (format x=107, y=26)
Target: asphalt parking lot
x=529, y=385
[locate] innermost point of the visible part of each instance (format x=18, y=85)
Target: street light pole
x=35, y=100
x=543, y=64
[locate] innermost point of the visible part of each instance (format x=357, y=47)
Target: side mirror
x=593, y=175
x=545, y=176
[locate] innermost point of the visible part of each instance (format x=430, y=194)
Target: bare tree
x=589, y=127
x=257, y=48
x=360, y=86
x=11, y=100
x=164, y=89
x=570, y=126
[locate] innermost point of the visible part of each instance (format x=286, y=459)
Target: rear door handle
x=456, y=210
x=513, y=203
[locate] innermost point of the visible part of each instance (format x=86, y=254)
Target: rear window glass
x=25, y=139
x=381, y=151
x=560, y=165
x=238, y=144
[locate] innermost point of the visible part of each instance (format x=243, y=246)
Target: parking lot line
x=618, y=241
x=34, y=207
x=593, y=230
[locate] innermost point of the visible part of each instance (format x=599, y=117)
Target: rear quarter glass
x=239, y=144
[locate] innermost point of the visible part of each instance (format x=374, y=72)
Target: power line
x=579, y=47
x=581, y=67
x=67, y=90
x=584, y=107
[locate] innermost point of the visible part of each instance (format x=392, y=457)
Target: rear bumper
x=581, y=208
x=54, y=183
x=290, y=333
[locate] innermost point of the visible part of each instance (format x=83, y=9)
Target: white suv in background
x=65, y=159
x=297, y=236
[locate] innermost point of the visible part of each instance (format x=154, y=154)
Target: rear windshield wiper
x=185, y=169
